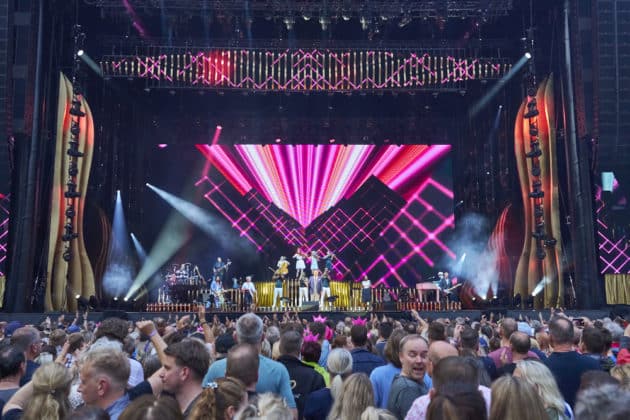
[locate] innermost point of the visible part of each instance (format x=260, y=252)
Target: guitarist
x=220, y=268
x=449, y=287
x=217, y=291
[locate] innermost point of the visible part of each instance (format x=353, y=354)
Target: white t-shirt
x=249, y=286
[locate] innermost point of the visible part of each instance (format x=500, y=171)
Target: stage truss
x=303, y=70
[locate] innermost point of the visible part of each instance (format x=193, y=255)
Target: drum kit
x=180, y=281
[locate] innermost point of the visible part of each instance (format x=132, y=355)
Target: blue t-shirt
x=382, y=378
x=272, y=377
x=278, y=284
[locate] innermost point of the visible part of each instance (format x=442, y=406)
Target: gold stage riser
x=348, y=298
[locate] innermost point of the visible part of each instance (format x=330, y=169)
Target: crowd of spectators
x=285, y=367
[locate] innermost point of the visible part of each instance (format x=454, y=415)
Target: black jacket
x=304, y=380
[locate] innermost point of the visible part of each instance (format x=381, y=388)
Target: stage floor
x=473, y=315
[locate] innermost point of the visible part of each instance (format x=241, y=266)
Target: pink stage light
x=305, y=180
x=331, y=140
x=162, y=145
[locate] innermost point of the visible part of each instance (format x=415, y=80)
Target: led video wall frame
x=386, y=211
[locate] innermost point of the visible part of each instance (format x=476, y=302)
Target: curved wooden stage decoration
x=531, y=270
x=65, y=280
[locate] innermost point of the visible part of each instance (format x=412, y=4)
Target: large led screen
x=384, y=211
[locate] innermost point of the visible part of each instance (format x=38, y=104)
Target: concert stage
x=473, y=315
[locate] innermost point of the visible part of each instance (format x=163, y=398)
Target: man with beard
x=409, y=385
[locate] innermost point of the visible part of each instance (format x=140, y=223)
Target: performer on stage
x=449, y=287
x=315, y=284
x=299, y=263
x=277, y=291
x=314, y=261
x=325, y=289
x=328, y=261
x=283, y=267
x=217, y=291
x=249, y=291
x=220, y=268
x=366, y=292
x=303, y=295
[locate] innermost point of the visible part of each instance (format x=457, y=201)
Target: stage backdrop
x=385, y=211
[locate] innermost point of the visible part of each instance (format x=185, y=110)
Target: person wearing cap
x=222, y=345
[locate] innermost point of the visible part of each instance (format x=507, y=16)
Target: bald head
x=438, y=350
x=519, y=341
x=508, y=327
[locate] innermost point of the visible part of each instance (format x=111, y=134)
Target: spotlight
x=531, y=113
x=80, y=53
x=68, y=237
x=331, y=140
x=365, y=23
x=76, y=109
x=551, y=242
x=116, y=298
x=404, y=21
x=126, y=299
x=289, y=21
x=72, y=194
x=535, y=152
x=278, y=140
x=324, y=21
x=82, y=303
x=528, y=55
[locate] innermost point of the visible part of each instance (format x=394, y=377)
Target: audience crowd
x=284, y=367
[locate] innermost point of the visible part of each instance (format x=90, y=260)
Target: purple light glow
x=162, y=145
x=325, y=186
x=4, y=229
x=614, y=253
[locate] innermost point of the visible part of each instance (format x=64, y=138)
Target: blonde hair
x=268, y=407
x=540, y=377
x=109, y=362
x=51, y=386
x=339, y=365
x=515, y=399
x=373, y=413
x=622, y=374
x=217, y=398
x=356, y=395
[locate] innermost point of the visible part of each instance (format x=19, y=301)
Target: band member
x=249, y=291
x=366, y=292
x=449, y=287
x=217, y=291
x=440, y=278
x=283, y=267
x=314, y=261
x=328, y=261
x=277, y=291
x=325, y=289
x=303, y=294
x=315, y=284
x=299, y=262
x=220, y=268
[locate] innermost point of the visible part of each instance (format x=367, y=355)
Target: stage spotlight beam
x=485, y=100
x=90, y=62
